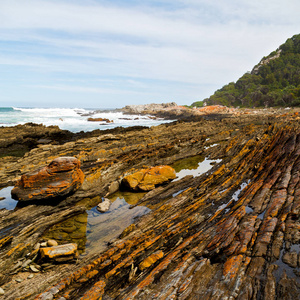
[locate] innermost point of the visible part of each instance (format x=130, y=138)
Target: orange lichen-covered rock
x=62, y=176
x=60, y=252
x=211, y=109
x=231, y=266
x=150, y=260
x=147, y=179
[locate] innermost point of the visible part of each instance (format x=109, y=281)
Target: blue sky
x=107, y=54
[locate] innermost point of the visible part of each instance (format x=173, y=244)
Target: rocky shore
x=172, y=111
x=230, y=233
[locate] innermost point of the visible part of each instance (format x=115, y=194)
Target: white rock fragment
x=104, y=205
x=34, y=269
x=37, y=246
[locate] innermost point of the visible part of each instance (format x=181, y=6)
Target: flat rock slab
x=62, y=176
x=57, y=252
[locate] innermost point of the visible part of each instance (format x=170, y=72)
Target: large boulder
x=146, y=179
x=61, y=177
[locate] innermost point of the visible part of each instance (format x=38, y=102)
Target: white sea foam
x=73, y=119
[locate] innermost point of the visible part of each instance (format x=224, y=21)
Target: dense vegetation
x=275, y=81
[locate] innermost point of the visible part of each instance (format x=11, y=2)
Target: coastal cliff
x=229, y=233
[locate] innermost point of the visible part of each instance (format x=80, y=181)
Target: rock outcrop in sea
x=229, y=233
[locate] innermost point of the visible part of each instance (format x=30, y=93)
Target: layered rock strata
x=231, y=233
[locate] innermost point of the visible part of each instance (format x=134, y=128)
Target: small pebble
x=1, y=291
x=44, y=244
x=37, y=246
x=51, y=243
x=26, y=263
x=34, y=269
x=104, y=205
x=18, y=280
x=30, y=276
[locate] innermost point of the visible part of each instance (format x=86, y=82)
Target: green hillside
x=275, y=81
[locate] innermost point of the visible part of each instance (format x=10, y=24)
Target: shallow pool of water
x=195, y=166
x=295, y=247
x=104, y=227
x=92, y=230
x=290, y=272
x=7, y=202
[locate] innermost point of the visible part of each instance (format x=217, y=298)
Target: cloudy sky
x=106, y=54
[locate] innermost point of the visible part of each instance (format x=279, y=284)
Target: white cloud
x=188, y=42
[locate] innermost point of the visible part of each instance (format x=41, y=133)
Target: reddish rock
x=100, y=120
x=147, y=179
x=61, y=177
x=264, y=236
x=212, y=109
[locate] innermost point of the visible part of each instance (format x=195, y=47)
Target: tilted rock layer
x=62, y=176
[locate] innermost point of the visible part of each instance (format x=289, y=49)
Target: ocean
x=74, y=119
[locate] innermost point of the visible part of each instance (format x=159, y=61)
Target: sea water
x=74, y=119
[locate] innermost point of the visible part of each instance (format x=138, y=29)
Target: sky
x=108, y=54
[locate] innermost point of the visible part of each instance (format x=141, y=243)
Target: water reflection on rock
x=6, y=200
x=104, y=227
x=72, y=230
x=195, y=165
x=189, y=163
x=129, y=197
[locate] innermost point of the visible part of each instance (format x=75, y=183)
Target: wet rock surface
x=230, y=233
